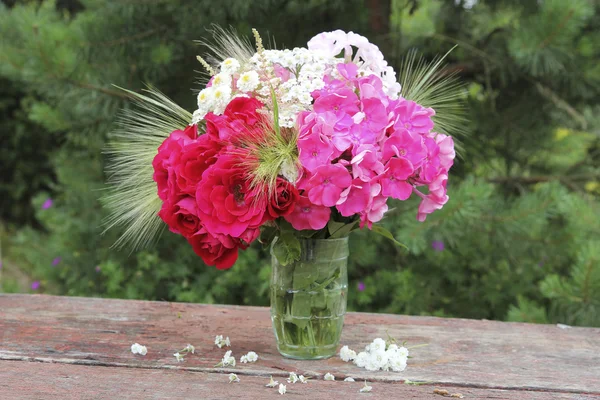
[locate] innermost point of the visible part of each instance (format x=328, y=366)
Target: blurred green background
x=519, y=239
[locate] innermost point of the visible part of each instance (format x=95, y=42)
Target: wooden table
x=79, y=348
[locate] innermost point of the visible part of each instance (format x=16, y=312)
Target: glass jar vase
x=308, y=299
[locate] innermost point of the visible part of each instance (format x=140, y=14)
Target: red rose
x=181, y=217
x=239, y=116
x=166, y=159
x=244, y=109
x=226, y=205
x=195, y=158
x=219, y=250
x=283, y=201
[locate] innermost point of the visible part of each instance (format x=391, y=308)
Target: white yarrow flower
x=233, y=378
x=228, y=360
x=282, y=388
x=346, y=354
x=329, y=377
x=303, y=379
x=293, y=378
x=365, y=388
x=272, y=383
x=178, y=356
x=248, y=81
x=230, y=66
x=349, y=379
x=361, y=359
x=378, y=345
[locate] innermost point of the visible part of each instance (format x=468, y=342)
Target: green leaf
x=385, y=233
x=275, y=113
x=333, y=226
x=267, y=234
x=343, y=231
x=287, y=248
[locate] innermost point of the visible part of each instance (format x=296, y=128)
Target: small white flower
x=249, y=358
x=221, y=97
x=358, y=117
x=346, y=354
x=272, y=383
x=361, y=359
x=293, y=378
x=233, y=378
x=178, y=356
x=282, y=388
x=228, y=360
x=221, y=80
x=137, y=348
x=349, y=379
x=403, y=352
x=392, y=347
x=377, y=345
x=248, y=81
x=329, y=377
x=365, y=388
x=230, y=66
x=303, y=379
x=220, y=342
x=190, y=348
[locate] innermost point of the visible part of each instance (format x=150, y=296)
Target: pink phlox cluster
x=360, y=147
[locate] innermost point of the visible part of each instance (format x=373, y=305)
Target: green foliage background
x=521, y=232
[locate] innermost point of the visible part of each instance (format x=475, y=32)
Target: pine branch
x=542, y=178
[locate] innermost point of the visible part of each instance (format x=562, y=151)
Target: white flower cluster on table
x=181, y=353
x=137, y=348
x=378, y=356
x=292, y=75
x=220, y=342
x=249, y=358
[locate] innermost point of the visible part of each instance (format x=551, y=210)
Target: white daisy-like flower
x=221, y=97
x=293, y=378
x=230, y=66
x=303, y=379
x=179, y=357
x=349, y=379
x=248, y=81
x=366, y=388
x=205, y=98
x=282, y=388
x=346, y=354
x=221, y=80
x=233, y=378
x=329, y=377
x=272, y=383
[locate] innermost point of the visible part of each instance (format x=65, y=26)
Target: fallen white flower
x=346, y=354
x=227, y=360
x=190, y=348
x=329, y=377
x=349, y=379
x=303, y=379
x=365, y=388
x=233, y=378
x=272, y=383
x=293, y=378
x=249, y=358
x=137, y=348
x=220, y=342
x=282, y=388
x=179, y=357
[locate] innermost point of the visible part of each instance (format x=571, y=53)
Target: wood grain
x=466, y=354
x=20, y=380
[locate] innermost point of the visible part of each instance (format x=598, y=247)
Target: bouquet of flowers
x=309, y=142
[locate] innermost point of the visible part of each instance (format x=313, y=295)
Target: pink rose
x=195, y=158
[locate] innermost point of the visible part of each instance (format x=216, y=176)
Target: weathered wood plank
x=29, y=380
x=469, y=353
